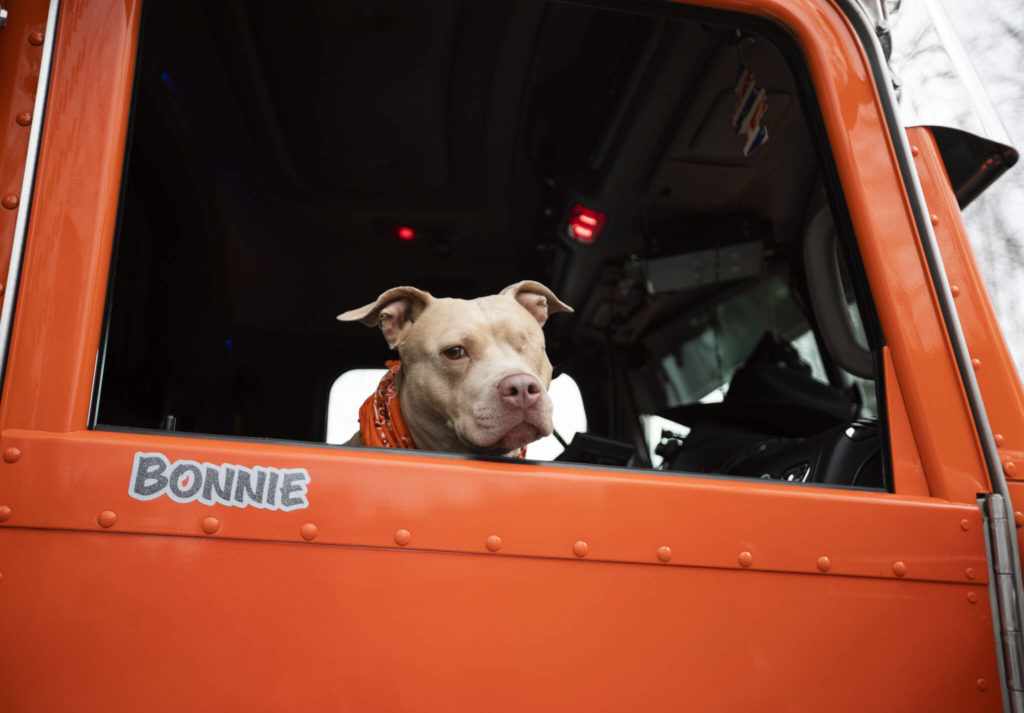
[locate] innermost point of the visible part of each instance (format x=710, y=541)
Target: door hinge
x=1002, y=569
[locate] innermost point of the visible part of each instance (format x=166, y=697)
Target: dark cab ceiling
x=328, y=124
x=275, y=150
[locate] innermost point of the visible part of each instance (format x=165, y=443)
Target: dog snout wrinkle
x=520, y=390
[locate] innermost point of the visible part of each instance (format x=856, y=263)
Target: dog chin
x=518, y=437
x=511, y=441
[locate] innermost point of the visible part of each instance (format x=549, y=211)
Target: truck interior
x=283, y=167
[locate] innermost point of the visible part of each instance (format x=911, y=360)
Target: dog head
x=474, y=375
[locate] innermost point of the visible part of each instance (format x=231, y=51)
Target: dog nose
x=520, y=390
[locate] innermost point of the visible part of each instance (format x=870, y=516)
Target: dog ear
x=394, y=311
x=537, y=299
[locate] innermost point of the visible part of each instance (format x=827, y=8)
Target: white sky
x=992, y=34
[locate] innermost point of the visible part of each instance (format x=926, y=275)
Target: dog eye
x=454, y=353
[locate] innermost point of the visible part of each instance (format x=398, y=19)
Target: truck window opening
x=262, y=197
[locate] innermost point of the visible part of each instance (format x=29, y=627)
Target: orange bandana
x=380, y=417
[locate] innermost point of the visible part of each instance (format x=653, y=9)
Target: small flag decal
x=748, y=110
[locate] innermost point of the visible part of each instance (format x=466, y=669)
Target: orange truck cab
x=785, y=469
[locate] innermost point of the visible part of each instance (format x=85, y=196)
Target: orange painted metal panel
x=60, y=303
x=908, y=475
x=996, y=373
x=20, y=54
x=353, y=618
x=256, y=626
x=362, y=498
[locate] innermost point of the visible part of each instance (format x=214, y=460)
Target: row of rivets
x=664, y=553
x=965, y=525
x=1008, y=466
x=11, y=200
x=309, y=531
x=403, y=537
x=209, y=525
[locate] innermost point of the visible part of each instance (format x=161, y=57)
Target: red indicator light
x=406, y=233
x=585, y=224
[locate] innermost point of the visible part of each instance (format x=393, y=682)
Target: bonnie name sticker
x=183, y=481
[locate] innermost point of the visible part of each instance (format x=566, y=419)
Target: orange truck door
x=134, y=576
